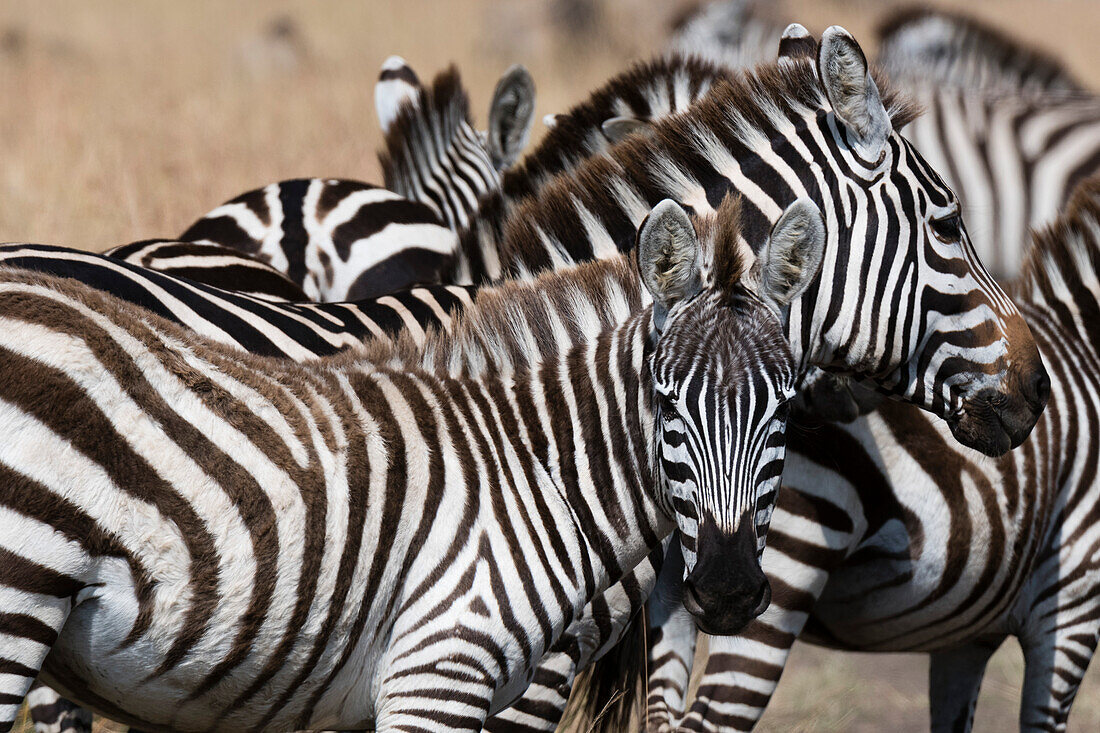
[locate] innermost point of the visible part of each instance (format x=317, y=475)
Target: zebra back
x=299, y=331
x=211, y=264
x=337, y=239
x=732, y=33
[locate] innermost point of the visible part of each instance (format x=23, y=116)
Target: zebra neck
x=597, y=451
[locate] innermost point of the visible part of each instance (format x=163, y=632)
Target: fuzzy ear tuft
x=792, y=256
x=852, y=92
x=511, y=114
x=796, y=43
x=670, y=258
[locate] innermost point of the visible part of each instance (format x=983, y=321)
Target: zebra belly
x=90, y=663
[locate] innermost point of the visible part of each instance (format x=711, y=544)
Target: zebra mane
x=577, y=134
x=740, y=107
x=935, y=47
x=431, y=119
x=1063, y=262
x=520, y=323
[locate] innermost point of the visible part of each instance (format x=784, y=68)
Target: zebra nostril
x=1040, y=388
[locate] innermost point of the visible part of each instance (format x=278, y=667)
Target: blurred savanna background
x=127, y=119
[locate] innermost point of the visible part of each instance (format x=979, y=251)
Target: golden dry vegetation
x=124, y=120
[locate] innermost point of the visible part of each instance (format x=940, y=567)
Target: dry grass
x=123, y=120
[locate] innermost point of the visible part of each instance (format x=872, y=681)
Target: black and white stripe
x=201, y=538
x=889, y=537
x=794, y=90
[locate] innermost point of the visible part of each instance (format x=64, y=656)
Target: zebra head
x=722, y=375
x=903, y=301
x=433, y=154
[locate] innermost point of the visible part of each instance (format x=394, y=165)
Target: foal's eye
x=948, y=228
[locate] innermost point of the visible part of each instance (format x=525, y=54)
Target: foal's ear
x=792, y=256
x=617, y=128
x=511, y=114
x=670, y=258
x=397, y=85
x=852, y=92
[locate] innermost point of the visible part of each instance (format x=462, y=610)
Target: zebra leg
x=52, y=713
x=542, y=704
x=424, y=701
x=30, y=619
x=671, y=646
x=1053, y=669
x=954, y=678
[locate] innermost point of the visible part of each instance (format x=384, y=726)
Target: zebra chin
x=727, y=587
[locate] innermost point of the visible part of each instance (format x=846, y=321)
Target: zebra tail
x=608, y=695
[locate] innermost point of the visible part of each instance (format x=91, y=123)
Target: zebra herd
x=508, y=434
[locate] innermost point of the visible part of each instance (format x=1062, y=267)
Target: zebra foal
x=168, y=582
x=890, y=537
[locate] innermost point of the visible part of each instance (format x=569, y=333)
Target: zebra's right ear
x=791, y=258
x=852, y=92
x=617, y=128
x=511, y=114
x=397, y=85
x=670, y=258
x=796, y=43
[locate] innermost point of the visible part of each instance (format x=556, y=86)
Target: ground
x=124, y=120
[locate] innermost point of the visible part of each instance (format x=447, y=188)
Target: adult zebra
x=926, y=47
x=340, y=239
x=888, y=537
x=152, y=572
x=787, y=108
x=1009, y=129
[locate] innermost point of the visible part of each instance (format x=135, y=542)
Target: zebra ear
x=852, y=92
x=397, y=85
x=617, y=128
x=511, y=114
x=792, y=256
x=551, y=120
x=669, y=258
x=796, y=43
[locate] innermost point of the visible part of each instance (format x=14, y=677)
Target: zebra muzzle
x=727, y=587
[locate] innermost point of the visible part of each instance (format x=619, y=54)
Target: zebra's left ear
x=511, y=114
x=791, y=258
x=670, y=258
x=397, y=85
x=617, y=128
x=852, y=92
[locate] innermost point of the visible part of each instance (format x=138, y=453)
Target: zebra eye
x=666, y=406
x=948, y=228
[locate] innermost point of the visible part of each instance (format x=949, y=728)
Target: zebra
x=734, y=33
x=151, y=577
x=1013, y=376
x=888, y=537
x=211, y=264
x=295, y=331
x=1007, y=126
x=340, y=239
x=927, y=47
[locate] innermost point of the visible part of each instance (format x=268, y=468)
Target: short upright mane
x=742, y=108
x=1064, y=259
x=578, y=130
x=520, y=323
